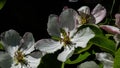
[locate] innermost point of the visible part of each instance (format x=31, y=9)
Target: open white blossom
x=19, y=51
x=96, y=16
x=106, y=59
x=64, y=28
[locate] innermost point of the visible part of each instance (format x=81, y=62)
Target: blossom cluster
x=72, y=32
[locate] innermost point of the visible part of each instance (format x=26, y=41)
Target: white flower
x=19, y=52
x=106, y=59
x=96, y=16
x=64, y=28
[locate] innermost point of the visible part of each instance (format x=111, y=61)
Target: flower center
x=65, y=37
x=19, y=57
x=84, y=20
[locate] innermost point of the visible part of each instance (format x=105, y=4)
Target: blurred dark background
x=32, y=15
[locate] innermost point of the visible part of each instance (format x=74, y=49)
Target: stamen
x=65, y=38
x=19, y=58
x=84, y=20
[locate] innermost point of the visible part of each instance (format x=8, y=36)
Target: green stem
x=112, y=7
x=63, y=64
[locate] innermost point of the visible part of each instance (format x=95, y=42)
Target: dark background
x=32, y=15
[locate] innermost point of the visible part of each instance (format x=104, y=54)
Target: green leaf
x=117, y=59
x=80, y=50
x=105, y=43
x=80, y=58
x=2, y=3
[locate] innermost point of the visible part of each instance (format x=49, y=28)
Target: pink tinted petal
x=110, y=29
x=27, y=41
x=117, y=39
x=65, y=7
x=84, y=9
x=117, y=20
x=99, y=12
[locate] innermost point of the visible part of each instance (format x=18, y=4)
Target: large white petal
x=106, y=59
x=5, y=60
x=10, y=38
x=84, y=9
x=33, y=62
x=88, y=64
x=82, y=37
x=28, y=51
x=110, y=29
x=99, y=12
x=16, y=66
x=67, y=19
x=53, y=25
x=27, y=42
x=67, y=53
x=48, y=45
x=11, y=50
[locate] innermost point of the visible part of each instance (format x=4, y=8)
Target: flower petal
x=10, y=38
x=110, y=29
x=88, y=64
x=117, y=39
x=106, y=59
x=67, y=53
x=67, y=19
x=99, y=12
x=117, y=20
x=52, y=26
x=82, y=37
x=84, y=9
x=36, y=54
x=27, y=41
x=17, y=66
x=5, y=60
x=33, y=62
x=48, y=45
